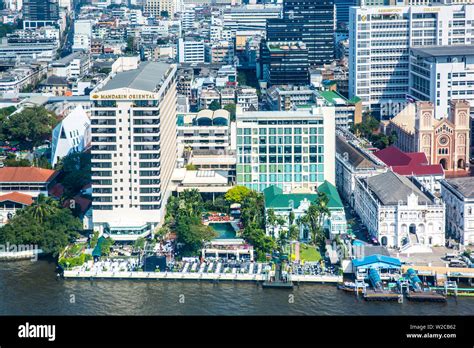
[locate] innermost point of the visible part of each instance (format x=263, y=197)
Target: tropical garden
x=45, y=224
x=184, y=217
x=255, y=221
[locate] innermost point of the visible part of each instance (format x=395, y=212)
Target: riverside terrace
x=212, y=269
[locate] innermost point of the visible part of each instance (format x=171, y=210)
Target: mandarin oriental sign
x=389, y=10
x=134, y=96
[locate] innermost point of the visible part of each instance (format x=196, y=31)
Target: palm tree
x=323, y=209
x=272, y=220
x=44, y=207
x=311, y=219
x=282, y=240
x=291, y=218
x=293, y=232
x=253, y=210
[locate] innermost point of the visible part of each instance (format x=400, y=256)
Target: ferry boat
x=349, y=287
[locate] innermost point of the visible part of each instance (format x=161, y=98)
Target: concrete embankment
x=194, y=276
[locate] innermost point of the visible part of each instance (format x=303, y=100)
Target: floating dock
x=426, y=296
x=371, y=295
x=277, y=285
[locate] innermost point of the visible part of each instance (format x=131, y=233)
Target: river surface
x=31, y=288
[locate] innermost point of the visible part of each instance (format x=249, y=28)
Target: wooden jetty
x=372, y=295
x=425, y=296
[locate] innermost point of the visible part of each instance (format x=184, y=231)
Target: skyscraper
x=285, y=63
x=379, y=54
x=309, y=21
x=133, y=126
x=40, y=10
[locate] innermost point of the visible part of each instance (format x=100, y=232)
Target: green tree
x=43, y=224
x=314, y=218
x=31, y=127
x=106, y=245
x=237, y=194
x=139, y=244
x=12, y=161
x=42, y=162
x=253, y=210
x=192, y=233
x=7, y=28
x=231, y=108
x=217, y=204
x=274, y=220
x=191, y=167
x=215, y=105
x=293, y=232
x=130, y=44
x=75, y=173
x=291, y=218
x=262, y=243
x=369, y=129
x=94, y=239
x=44, y=207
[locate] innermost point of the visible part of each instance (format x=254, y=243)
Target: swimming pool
x=358, y=242
x=224, y=229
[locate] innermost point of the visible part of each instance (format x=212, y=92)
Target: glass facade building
x=309, y=21
x=285, y=63
x=288, y=149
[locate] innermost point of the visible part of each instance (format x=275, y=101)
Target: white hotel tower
x=133, y=126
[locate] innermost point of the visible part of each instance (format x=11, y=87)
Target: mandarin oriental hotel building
x=289, y=149
x=133, y=126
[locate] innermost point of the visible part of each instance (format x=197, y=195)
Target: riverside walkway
x=78, y=274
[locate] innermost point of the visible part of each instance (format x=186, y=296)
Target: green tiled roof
x=331, y=95
x=331, y=191
x=275, y=198
x=354, y=100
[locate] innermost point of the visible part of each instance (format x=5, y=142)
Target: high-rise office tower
x=40, y=10
x=133, y=126
x=380, y=41
x=285, y=63
x=342, y=11
x=309, y=21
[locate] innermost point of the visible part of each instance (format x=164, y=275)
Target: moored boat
x=349, y=287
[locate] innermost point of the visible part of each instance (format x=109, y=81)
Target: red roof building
x=414, y=164
x=16, y=197
x=10, y=203
x=27, y=180
x=408, y=163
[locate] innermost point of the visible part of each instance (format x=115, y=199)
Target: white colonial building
x=298, y=202
x=399, y=213
x=458, y=195
x=352, y=162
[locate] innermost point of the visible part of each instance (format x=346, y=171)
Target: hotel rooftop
x=146, y=78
